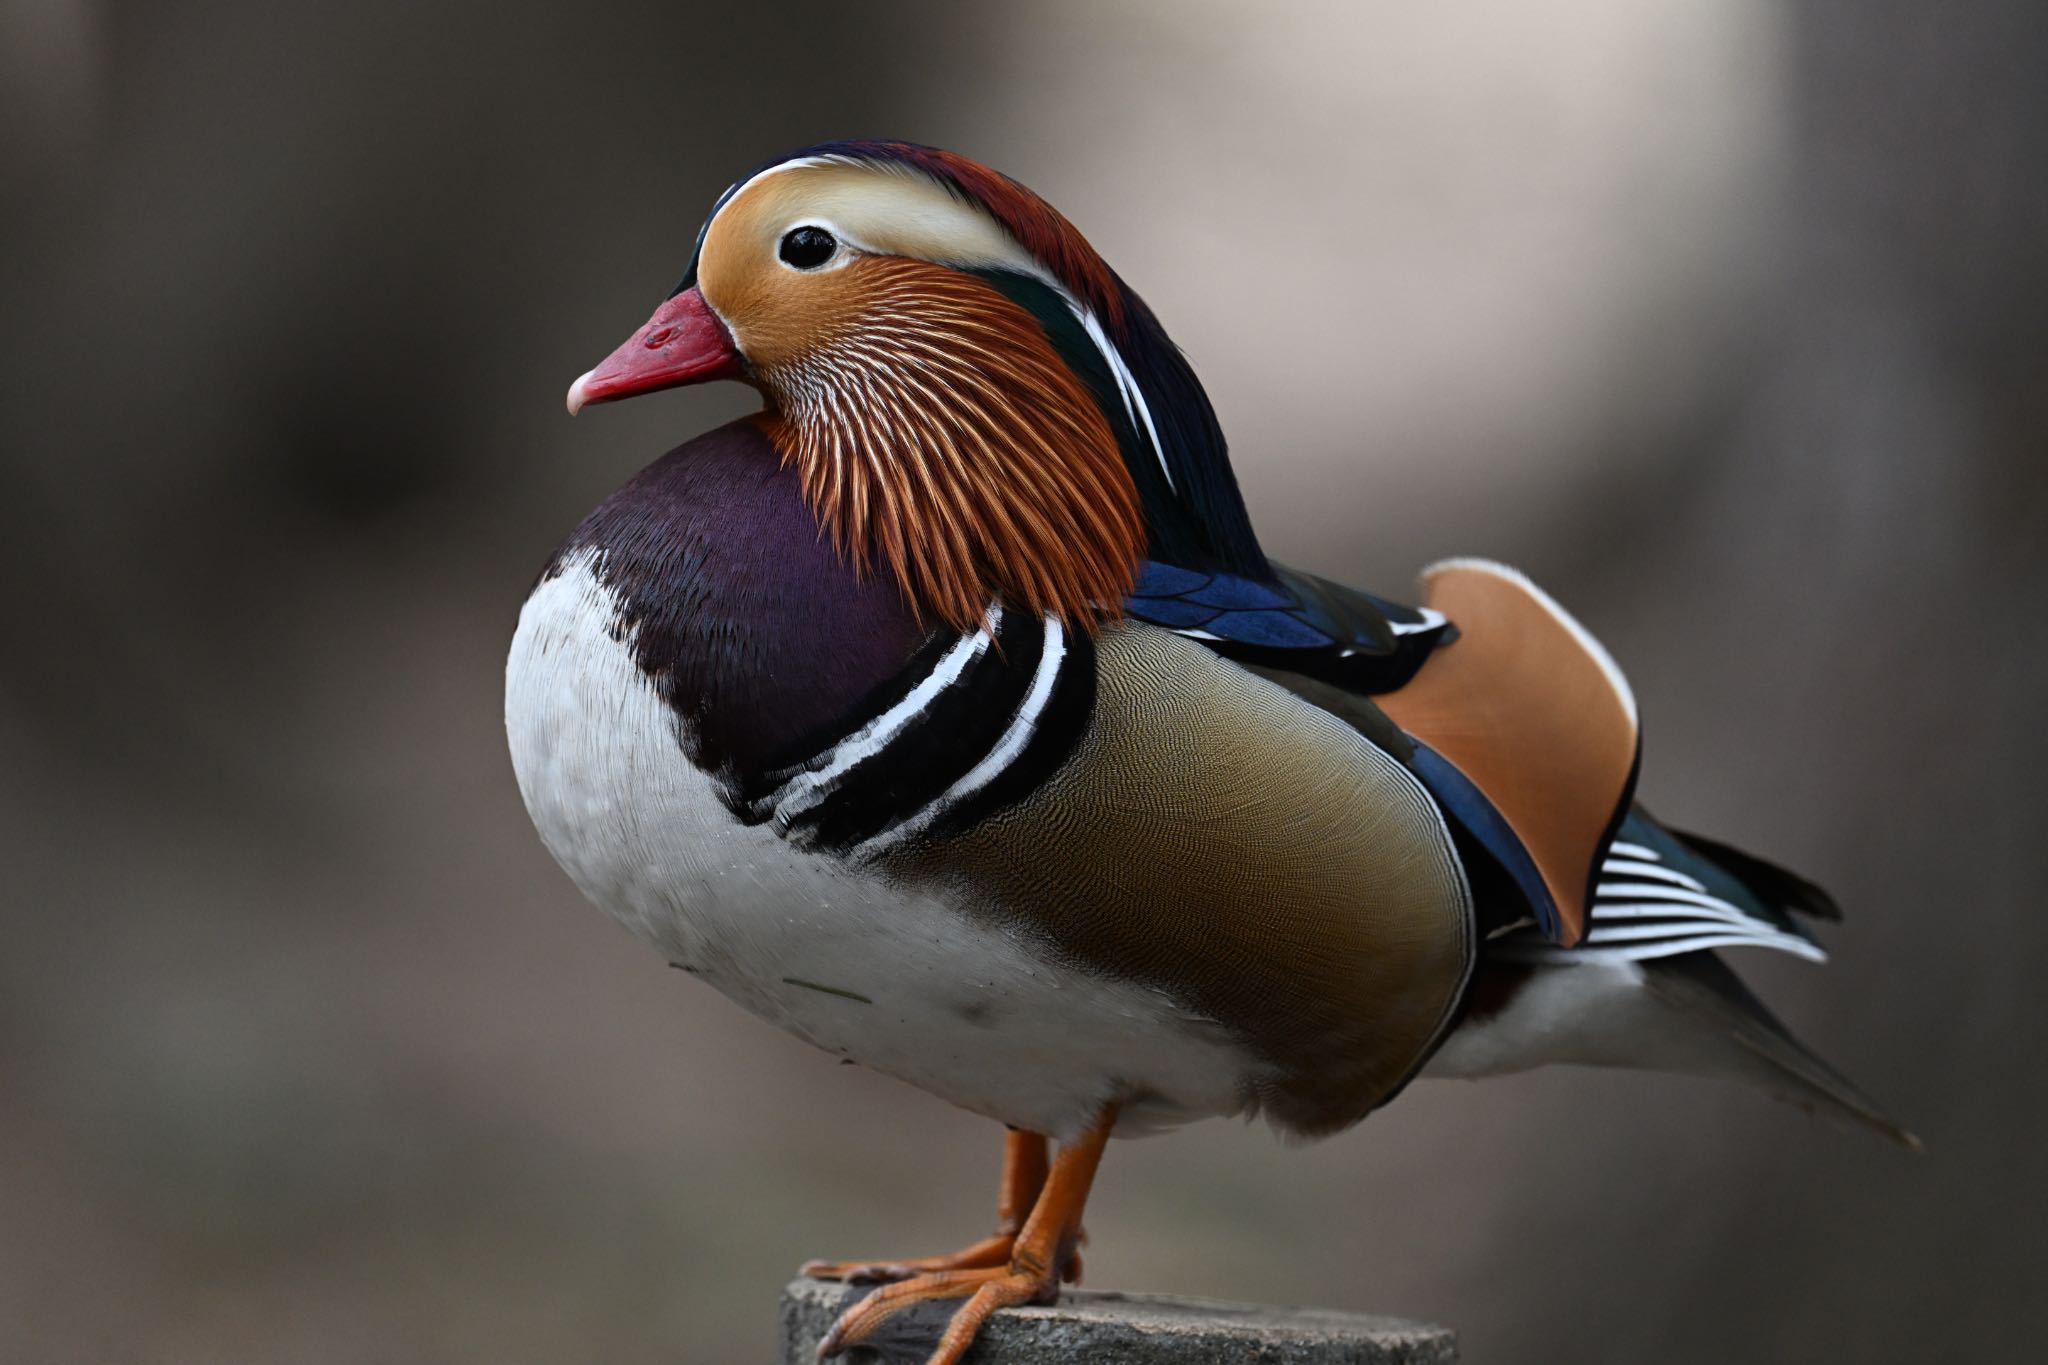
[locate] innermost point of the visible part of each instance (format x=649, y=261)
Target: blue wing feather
x=1293, y=621
x=1467, y=807
x=1267, y=630
x=1176, y=613
x=1232, y=593
x=1166, y=580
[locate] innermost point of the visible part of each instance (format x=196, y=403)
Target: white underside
x=1572, y=1014
x=1595, y=1013
x=953, y=1003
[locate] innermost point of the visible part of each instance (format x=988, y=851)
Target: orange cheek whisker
x=936, y=431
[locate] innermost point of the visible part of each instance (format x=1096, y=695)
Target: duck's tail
x=1645, y=988
x=1752, y=1045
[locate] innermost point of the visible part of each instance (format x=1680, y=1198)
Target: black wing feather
x=1295, y=622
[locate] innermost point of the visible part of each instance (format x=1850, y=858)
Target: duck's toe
x=870, y=1320
x=990, y=1251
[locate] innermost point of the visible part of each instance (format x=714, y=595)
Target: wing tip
x=1707, y=987
x=1771, y=882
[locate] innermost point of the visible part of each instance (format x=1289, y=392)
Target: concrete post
x=1089, y=1328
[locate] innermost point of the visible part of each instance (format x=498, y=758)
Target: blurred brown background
x=1727, y=320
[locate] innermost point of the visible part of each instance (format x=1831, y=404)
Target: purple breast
x=757, y=633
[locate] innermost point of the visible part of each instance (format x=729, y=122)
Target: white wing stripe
x=1640, y=952
x=1668, y=910
x=1656, y=911
x=1733, y=938
x=1013, y=743
x=1632, y=933
x=1628, y=867
x=807, y=789
x=1431, y=620
x=1135, y=406
x=1655, y=891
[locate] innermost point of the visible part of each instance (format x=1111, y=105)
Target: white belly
x=900, y=982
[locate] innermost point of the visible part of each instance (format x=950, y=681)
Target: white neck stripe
x=807, y=789
x=1015, y=739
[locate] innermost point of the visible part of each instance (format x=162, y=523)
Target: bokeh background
x=1725, y=319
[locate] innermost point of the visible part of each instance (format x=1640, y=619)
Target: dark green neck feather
x=1203, y=525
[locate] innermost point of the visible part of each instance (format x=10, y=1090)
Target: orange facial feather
x=936, y=431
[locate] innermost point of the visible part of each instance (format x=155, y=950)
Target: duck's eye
x=807, y=248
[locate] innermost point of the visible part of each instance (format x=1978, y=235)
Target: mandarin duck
x=947, y=713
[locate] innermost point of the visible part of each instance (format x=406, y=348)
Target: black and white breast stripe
x=976, y=723
x=1643, y=908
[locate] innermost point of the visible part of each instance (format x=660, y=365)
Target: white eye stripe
x=914, y=214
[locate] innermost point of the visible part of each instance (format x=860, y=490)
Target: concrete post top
x=1129, y=1329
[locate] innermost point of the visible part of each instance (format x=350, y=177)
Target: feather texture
x=1264, y=828
x=934, y=429
x=1196, y=511
x=1293, y=621
x=1529, y=707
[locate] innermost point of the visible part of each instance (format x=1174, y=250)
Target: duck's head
x=970, y=396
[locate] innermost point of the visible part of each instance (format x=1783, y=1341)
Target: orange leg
x=1032, y=1274
x=1025, y=1162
